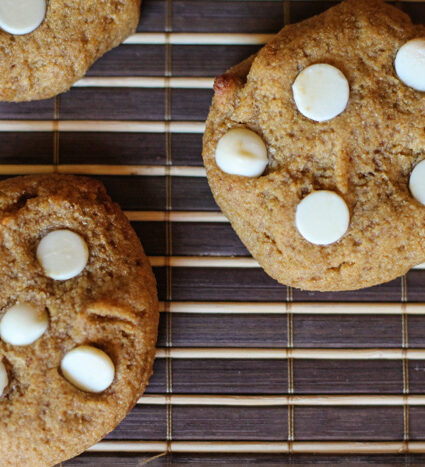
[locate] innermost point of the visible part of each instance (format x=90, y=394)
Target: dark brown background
x=138, y=194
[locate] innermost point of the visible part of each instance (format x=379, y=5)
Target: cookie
x=78, y=320
x=47, y=45
x=337, y=102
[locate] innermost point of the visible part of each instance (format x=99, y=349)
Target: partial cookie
x=47, y=45
x=336, y=100
x=78, y=320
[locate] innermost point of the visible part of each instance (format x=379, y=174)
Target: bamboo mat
x=247, y=371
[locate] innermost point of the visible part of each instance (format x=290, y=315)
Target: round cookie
x=364, y=154
x=72, y=36
x=65, y=390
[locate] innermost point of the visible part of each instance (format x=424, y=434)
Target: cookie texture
x=73, y=35
x=111, y=305
x=365, y=154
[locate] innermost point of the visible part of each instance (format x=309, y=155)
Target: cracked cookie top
x=364, y=152
x=73, y=34
x=78, y=317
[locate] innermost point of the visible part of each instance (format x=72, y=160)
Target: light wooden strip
x=130, y=126
x=358, y=308
x=187, y=127
x=23, y=169
x=354, y=308
x=207, y=400
x=176, y=216
x=297, y=353
x=187, y=171
x=145, y=82
x=229, y=447
x=347, y=447
x=150, y=38
x=147, y=170
x=296, y=308
x=83, y=169
x=129, y=446
x=100, y=126
x=27, y=125
x=203, y=262
x=300, y=308
x=271, y=401
x=182, y=38
x=265, y=447
x=227, y=307
x=90, y=169
x=236, y=447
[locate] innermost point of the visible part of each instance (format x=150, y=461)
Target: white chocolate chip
x=417, y=182
x=23, y=324
x=322, y=217
x=63, y=254
x=321, y=92
x=4, y=379
x=88, y=368
x=21, y=16
x=241, y=152
x=410, y=64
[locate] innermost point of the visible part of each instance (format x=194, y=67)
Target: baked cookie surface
x=365, y=154
x=73, y=35
x=111, y=306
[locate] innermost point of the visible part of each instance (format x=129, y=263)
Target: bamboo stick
x=295, y=353
x=94, y=169
x=129, y=446
x=274, y=401
x=129, y=126
x=145, y=82
x=264, y=447
x=146, y=170
x=203, y=262
x=109, y=126
x=176, y=216
x=26, y=169
x=296, y=308
x=27, y=125
x=186, y=38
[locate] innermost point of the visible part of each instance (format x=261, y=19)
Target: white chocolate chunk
x=417, y=182
x=23, y=324
x=322, y=217
x=88, y=368
x=4, y=379
x=21, y=16
x=63, y=254
x=321, y=92
x=241, y=152
x=410, y=64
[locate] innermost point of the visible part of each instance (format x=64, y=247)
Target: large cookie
x=73, y=35
x=361, y=154
x=78, y=320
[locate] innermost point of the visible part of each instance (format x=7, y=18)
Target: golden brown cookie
x=365, y=154
x=73, y=35
x=111, y=306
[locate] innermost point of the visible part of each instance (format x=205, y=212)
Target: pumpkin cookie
x=78, y=319
x=313, y=148
x=47, y=45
